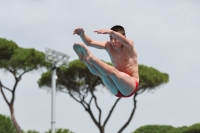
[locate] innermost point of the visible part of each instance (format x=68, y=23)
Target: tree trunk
x=16, y=125
x=101, y=129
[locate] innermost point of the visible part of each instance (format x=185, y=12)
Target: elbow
x=89, y=43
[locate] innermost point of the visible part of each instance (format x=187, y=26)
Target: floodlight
x=57, y=59
x=49, y=51
x=54, y=57
x=49, y=57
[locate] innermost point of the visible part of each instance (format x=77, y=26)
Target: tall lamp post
x=57, y=59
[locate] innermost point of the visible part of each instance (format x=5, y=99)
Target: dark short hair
x=119, y=29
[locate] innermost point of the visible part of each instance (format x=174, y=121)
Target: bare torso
x=125, y=60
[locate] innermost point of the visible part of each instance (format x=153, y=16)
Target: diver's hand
x=78, y=31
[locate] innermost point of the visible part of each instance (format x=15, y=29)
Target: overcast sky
x=166, y=35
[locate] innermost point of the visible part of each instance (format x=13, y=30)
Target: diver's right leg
x=106, y=79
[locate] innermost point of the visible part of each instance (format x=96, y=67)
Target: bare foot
x=87, y=55
x=78, y=51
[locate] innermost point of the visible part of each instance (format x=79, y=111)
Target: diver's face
x=116, y=44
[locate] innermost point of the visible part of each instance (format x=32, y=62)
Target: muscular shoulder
x=131, y=42
x=128, y=43
x=108, y=45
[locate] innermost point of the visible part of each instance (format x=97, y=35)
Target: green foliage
x=32, y=131
x=76, y=78
x=151, y=78
x=15, y=59
x=192, y=129
x=154, y=129
x=61, y=131
x=168, y=129
x=177, y=130
x=6, y=125
x=46, y=79
x=19, y=61
x=7, y=48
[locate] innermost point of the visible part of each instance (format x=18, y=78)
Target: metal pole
x=57, y=59
x=53, y=107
